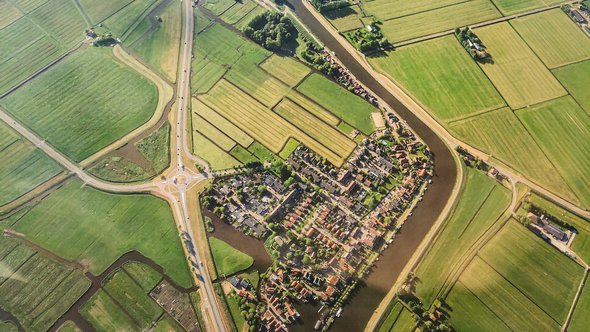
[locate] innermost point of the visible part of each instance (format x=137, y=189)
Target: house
x=557, y=233
x=578, y=17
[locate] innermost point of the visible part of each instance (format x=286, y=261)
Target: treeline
x=471, y=43
x=271, y=30
x=327, y=5
x=368, y=39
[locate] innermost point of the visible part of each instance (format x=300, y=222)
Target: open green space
x=576, y=80
x=388, y=9
x=234, y=308
x=98, y=11
x=243, y=155
x=286, y=69
x=221, y=123
x=156, y=148
x=544, y=275
x=288, y=149
x=101, y=103
x=439, y=20
x=167, y=324
x=554, y=37
x=508, y=7
x=212, y=133
x=8, y=327
x=29, y=5
x=562, y=130
x=8, y=13
x=118, y=169
x=313, y=108
x=142, y=274
x=62, y=20
x=217, y=7
x=442, y=76
x=345, y=19
x=405, y=321
x=212, y=153
x=228, y=260
x=333, y=97
x=481, y=204
x=69, y=326
x=237, y=12
x=124, y=20
x=391, y=317
x=579, y=321
x=23, y=166
x=515, y=70
x=93, y=227
x=105, y=315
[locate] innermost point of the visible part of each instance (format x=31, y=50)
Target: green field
x=69, y=326
x=439, y=20
x=236, y=12
x=562, y=129
x=554, y=37
x=576, y=80
x=101, y=103
x=217, y=7
x=213, y=154
x=388, y=9
x=228, y=260
x=392, y=316
x=122, y=22
x=221, y=123
x=8, y=13
x=515, y=70
x=516, y=6
x=23, y=168
x=28, y=5
x=213, y=134
x=345, y=19
x=313, y=108
x=288, y=149
x=35, y=289
x=98, y=11
x=62, y=20
x=285, y=69
x=205, y=74
x=105, y=315
x=442, y=76
x=480, y=206
x=243, y=155
x=145, y=276
x=118, y=169
x=257, y=83
x=352, y=109
x=405, y=321
x=156, y=148
x=544, y=275
x=167, y=324
x=579, y=322
x=500, y=134
x=87, y=225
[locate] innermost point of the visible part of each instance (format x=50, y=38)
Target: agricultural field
x=289, y=148
x=105, y=315
x=579, y=322
x=228, y=260
x=146, y=277
x=221, y=123
x=257, y=83
x=442, y=76
x=500, y=134
x=62, y=20
x=69, y=326
x=28, y=5
x=72, y=215
x=35, y=289
x=103, y=102
x=23, y=168
x=346, y=19
x=554, y=37
x=404, y=322
x=508, y=7
x=123, y=21
x=217, y=7
x=238, y=11
x=8, y=13
x=560, y=127
x=439, y=20
x=215, y=135
x=392, y=316
x=98, y=11
x=167, y=324
x=575, y=79
x=481, y=204
x=160, y=44
x=515, y=70
x=313, y=108
x=388, y=9
x=289, y=71
x=212, y=153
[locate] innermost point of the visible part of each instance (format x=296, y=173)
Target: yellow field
x=215, y=135
x=222, y=124
x=285, y=69
x=517, y=73
x=255, y=81
x=554, y=37
x=387, y=9
x=313, y=108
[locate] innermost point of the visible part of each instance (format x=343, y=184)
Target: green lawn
x=442, y=76
x=562, y=129
x=228, y=260
x=576, y=80
x=579, y=322
x=84, y=224
x=554, y=37
x=340, y=102
x=105, y=315
x=96, y=106
x=481, y=204
x=144, y=275
x=508, y=7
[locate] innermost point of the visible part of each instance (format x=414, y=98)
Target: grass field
x=213, y=154
x=221, y=123
x=72, y=214
x=442, y=76
x=28, y=5
x=392, y=316
x=217, y=7
x=544, y=275
x=69, y=326
x=313, y=108
x=554, y=37
x=123, y=20
x=388, y=9
x=236, y=12
x=145, y=276
x=517, y=73
x=98, y=11
x=161, y=44
x=516, y=6
x=35, y=289
x=352, y=109
x=105, y=315
x=118, y=169
x=503, y=136
x=286, y=69
x=213, y=134
x=248, y=17
x=480, y=206
x=23, y=168
x=102, y=103
x=156, y=148
x=167, y=324
x=443, y=19
x=345, y=19
x=575, y=78
x=228, y=260
x=405, y=321
x=257, y=83
x=243, y=155
x=18, y=36
x=62, y=20
x=205, y=74
x=560, y=126
x=579, y=322
x=288, y=149
x=8, y=13
x=234, y=308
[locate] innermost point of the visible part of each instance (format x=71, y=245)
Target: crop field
x=221, y=123
x=72, y=214
x=248, y=17
x=62, y=20
x=443, y=19
x=286, y=69
x=98, y=11
x=160, y=45
x=140, y=307
x=502, y=299
x=329, y=136
x=145, y=276
x=481, y=204
x=69, y=326
x=123, y=20
x=517, y=73
x=217, y=7
x=576, y=80
x=167, y=324
x=391, y=317
x=544, y=275
x=256, y=82
x=29, y=5
x=442, y=76
x=345, y=19
x=352, y=109
x=8, y=13
x=35, y=289
x=17, y=36
x=217, y=158
x=236, y=12
x=554, y=37
x=289, y=149
x=405, y=321
x=560, y=127
x=243, y=155
x=215, y=135
x=105, y=315
x=313, y=108
x=516, y=6
x=228, y=260
x=102, y=102
x=205, y=74
x=579, y=322
x=23, y=167
x=388, y=9
x=501, y=134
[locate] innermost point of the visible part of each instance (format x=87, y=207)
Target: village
x=322, y=225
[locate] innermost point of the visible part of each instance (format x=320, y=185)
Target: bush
x=271, y=30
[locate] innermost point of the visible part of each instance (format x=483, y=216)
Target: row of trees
x=327, y=5
x=271, y=30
